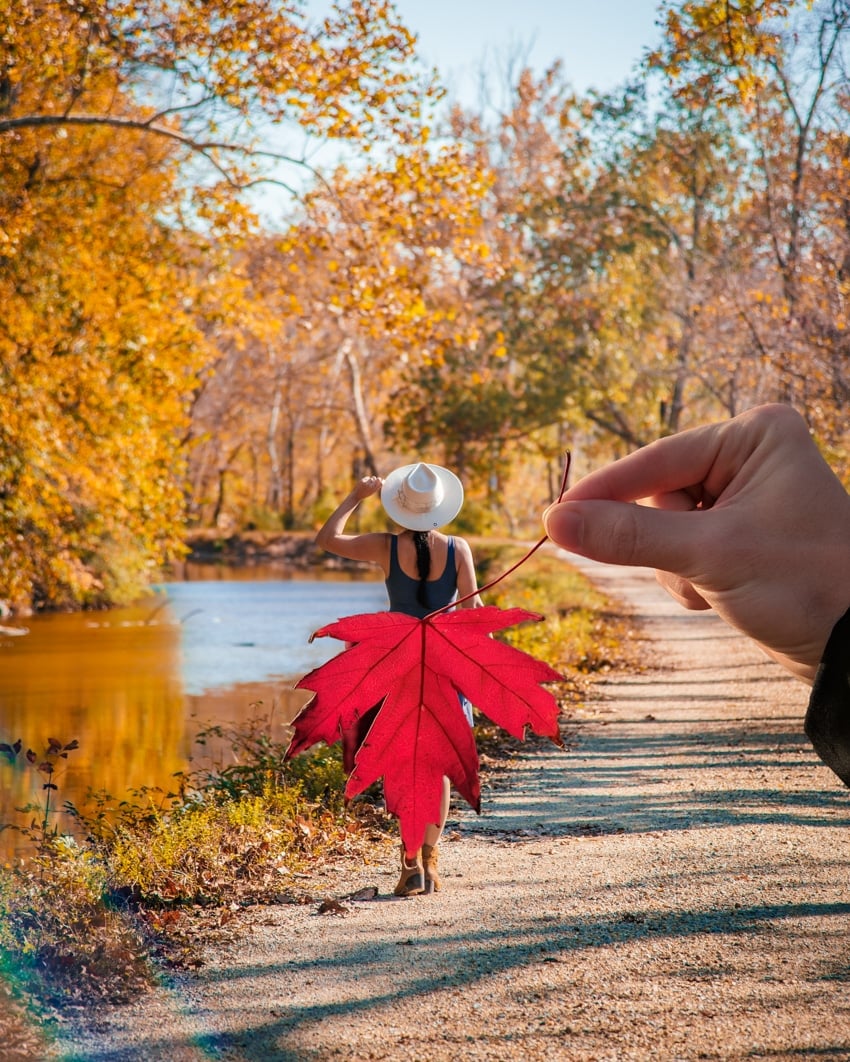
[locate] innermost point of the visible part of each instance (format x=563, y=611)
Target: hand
x=744, y=517
x=331, y=535
x=367, y=486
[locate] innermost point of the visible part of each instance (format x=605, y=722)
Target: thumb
x=625, y=533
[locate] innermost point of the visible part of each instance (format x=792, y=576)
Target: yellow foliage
x=98, y=357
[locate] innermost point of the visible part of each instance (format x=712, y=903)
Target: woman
x=424, y=570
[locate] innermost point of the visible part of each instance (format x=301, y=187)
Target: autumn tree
x=129, y=132
x=797, y=318
x=97, y=351
x=664, y=256
x=779, y=325
x=669, y=238
x=363, y=284
x=221, y=82
x=497, y=390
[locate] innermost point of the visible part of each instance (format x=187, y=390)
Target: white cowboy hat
x=421, y=497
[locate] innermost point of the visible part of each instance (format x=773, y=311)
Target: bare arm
x=331, y=537
x=466, y=580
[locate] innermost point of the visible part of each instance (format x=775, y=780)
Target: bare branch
x=150, y=125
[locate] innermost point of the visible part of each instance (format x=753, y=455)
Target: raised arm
x=372, y=547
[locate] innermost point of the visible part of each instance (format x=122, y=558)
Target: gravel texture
x=672, y=885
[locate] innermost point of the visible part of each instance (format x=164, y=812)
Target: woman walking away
x=425, y=570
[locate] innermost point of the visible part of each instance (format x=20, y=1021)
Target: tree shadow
x=617, y=783
x=450, y=962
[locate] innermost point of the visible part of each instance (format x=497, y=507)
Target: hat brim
x=441, y=514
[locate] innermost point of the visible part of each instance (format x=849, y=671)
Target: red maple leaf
x=415, y=669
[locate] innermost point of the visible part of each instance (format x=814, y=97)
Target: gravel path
x=673, y=886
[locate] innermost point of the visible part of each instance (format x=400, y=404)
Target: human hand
x=744, y=517
x=367, y=486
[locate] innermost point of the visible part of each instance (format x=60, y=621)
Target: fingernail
x=564, y=525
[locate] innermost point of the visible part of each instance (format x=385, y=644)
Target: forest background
x=483, y=287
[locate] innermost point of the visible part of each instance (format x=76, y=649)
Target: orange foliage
x=125, y=137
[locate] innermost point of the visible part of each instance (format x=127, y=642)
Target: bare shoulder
x=463, y=554
x=462, y=546
x=467, y=585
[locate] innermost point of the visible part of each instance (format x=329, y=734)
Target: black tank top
x=403, y=588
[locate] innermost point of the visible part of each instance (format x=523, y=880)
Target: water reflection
x=240, y=631
x=135, y=685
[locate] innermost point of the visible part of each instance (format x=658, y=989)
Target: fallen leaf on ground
x=369, y=892
x=332, y=907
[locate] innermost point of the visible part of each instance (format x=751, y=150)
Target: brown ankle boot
x=412, y=880
x=430, y=859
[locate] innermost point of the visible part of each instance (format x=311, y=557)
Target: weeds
x=579, y=634
x=39, y=831
x=216, y=847
x=62, y=938
x=258, y=767
x=80, y=918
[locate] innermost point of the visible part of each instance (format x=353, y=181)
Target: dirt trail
x=677, y=886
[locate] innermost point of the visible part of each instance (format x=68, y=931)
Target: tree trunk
x=275, y=490
x=358, y=405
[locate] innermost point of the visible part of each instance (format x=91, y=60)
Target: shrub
x=61, y=936
x=219, y=846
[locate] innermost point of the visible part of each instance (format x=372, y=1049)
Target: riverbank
x=288, y=551
x=294, y=549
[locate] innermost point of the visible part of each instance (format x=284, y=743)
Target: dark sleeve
x=828, y=715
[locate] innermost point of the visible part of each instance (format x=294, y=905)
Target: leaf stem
x=522, y=560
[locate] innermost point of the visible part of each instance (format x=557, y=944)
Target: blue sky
x=598, y=41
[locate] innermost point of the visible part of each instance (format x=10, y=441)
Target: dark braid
x=423, y=563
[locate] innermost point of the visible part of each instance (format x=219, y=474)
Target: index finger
x=671, y=467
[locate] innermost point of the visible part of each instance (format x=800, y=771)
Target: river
x=134, y=686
